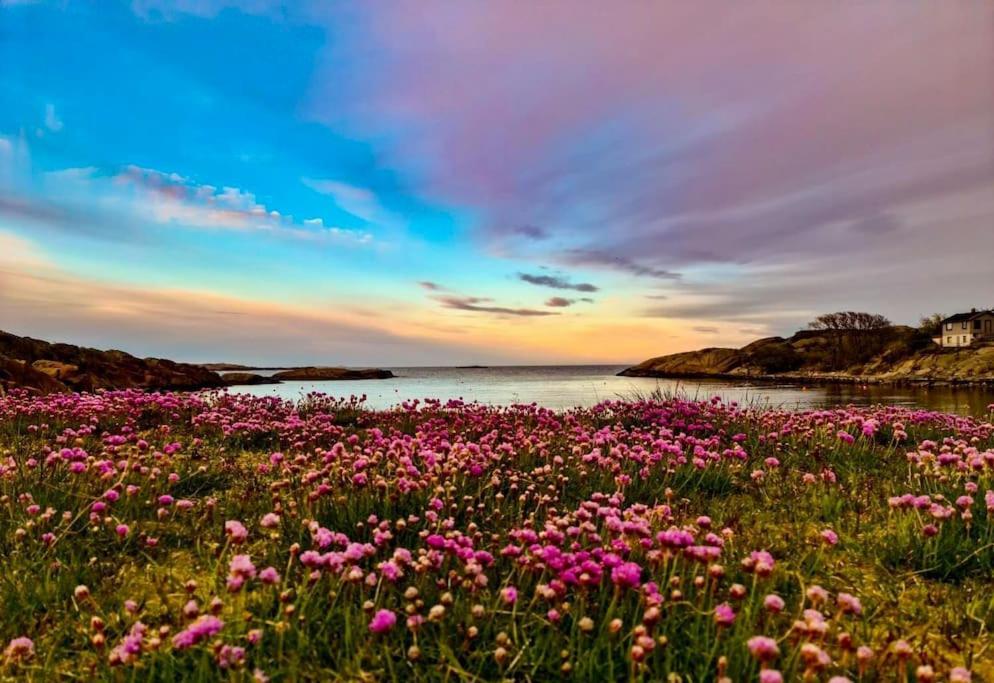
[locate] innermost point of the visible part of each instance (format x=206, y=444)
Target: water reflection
x=567, y=386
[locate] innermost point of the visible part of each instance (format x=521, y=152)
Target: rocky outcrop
x=321, y=373
x=18, y=374
x=897, y=355
x=222, y=367
x=714, y=361
x=231, y=379
x=45, y=367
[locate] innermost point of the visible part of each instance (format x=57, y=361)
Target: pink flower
x=770, y=676
x=829, y=537
x=773, y=603
x=203, y=628
x=762, y=648
x=724, y=615
x=509, y=595
x=762, y=562
x=241, y=565
x=382, y=621
x=959, y=674
x=122, y=530
x=20, y=648
x=849, y=604
x=236, y=531
x=269, y=575
x=627, y=574
x=230, y=656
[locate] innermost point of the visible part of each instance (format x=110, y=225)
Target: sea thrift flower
x=817, y=595
x=20, y=649
x=770, y=676
x=960, y=675
x=203, y=628
x=236, y=531
x=509, y=595
x=773, y=603
x=131, y=645
x=724, y=615
x=829, y=537
x=762, y=648
x=627, y=574
x=230, y=656
x=849, y=604
x=382, y=621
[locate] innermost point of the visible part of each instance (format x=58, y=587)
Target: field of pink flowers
x=218, y=537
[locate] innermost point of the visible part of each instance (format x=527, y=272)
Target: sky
x=443, y=183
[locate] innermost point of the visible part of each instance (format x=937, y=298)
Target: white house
x=963, y=329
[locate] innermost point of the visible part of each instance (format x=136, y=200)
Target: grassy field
x=162, y=537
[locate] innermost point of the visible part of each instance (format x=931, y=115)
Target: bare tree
x=855, y=335
x=850, y=321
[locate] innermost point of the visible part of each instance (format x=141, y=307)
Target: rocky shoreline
x=43, y=367
x=819, y=379
x=901, y=357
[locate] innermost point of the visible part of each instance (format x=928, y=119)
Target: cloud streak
x=478, y=304
x=556, y=282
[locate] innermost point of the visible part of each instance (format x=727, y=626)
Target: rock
x=221, y=367
x=18, y=374
x=703, y=363
x=321, y=373
x=53, y=368
x=246, y=378
x=84, y=369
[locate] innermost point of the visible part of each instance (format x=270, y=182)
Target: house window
x=964, y=324
x=949, y=340
x=949, y=326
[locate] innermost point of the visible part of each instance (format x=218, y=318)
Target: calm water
x=569, y=386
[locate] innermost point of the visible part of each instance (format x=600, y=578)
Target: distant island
x=841, y=347
x=45, y=367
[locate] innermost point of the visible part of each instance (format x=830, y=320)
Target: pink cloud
x=671, y=134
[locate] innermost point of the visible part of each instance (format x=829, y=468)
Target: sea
x=567, y=386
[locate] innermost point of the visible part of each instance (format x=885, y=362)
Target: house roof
x=964, y=317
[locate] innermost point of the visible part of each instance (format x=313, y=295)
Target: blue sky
x=368, y=184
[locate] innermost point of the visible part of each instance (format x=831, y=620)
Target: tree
x=855, y=335
x=850, y=321
x=931, y=324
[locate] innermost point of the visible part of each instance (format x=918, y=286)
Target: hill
x=46, y=367
x=894, y=355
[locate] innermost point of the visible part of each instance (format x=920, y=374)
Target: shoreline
x=820, y=379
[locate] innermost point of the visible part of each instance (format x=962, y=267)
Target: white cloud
x=52, y=120
x=172, y=198
x=359, y=201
